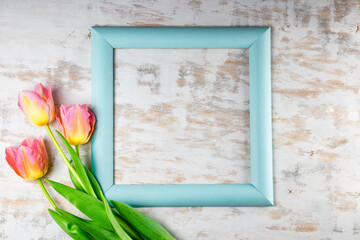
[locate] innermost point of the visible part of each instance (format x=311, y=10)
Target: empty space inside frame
x=181, y=116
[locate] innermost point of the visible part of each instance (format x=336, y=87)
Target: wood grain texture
x=315, y=73
x=182, y=116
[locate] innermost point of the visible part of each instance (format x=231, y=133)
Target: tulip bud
x=75, y=123
x=38, y=105
x=29, y=160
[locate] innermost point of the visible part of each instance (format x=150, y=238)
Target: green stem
x=77, y=151
x=71, y=168
x=47, y=194
x=92, y=192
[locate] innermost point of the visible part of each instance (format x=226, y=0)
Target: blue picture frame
x=257, y=39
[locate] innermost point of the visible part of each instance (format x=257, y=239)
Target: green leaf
x=74, y=180
x=95, y=230
x=70, y=228
x=128, y=229
x=88, y=205
x=146, y=226
x=78, y=166
x=118, y=229
x=91, y=207
x=94, y=183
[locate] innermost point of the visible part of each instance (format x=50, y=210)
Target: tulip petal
x=43, y=152
x=83, y=120
x=34, y=107
x=46, y=94
x=39, y=147
x=42, y=91
x=50, y=102
x=31, y=160
x=64, y=110
x=10, y=156
x=92, y=121
x=76, y=121
x=38, y=105
x=59, y=115
x=28, y=142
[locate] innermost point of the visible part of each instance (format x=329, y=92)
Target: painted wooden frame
x=260, y=191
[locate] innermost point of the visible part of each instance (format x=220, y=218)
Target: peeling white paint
x=315, y=73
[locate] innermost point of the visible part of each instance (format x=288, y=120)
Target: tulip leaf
x=91, y=207
x=118, y=229
x=95, y=230
x=128, y=228
x=70, y=228
x=94, y=183
x=78, y=166
x=96, y=186
x=146, y=226
x=117, y=218
x=88, y=205
x=74, y=180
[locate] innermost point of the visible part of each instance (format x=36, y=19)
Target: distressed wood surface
x=182, y=120
x=315, y=73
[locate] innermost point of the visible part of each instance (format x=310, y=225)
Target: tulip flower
x=38, y=105
x=76, y=123
x=29, y=160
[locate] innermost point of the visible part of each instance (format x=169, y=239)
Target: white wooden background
x=182, y=116
x=316, y=113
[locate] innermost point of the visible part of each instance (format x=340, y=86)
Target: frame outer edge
x=102, y=106
x=261, y=116
x=180, y=37
x=258, y=193
x=188, y=195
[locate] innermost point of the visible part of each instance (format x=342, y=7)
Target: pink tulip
x=30, y=160
x=38, y=105
x=76, y=123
